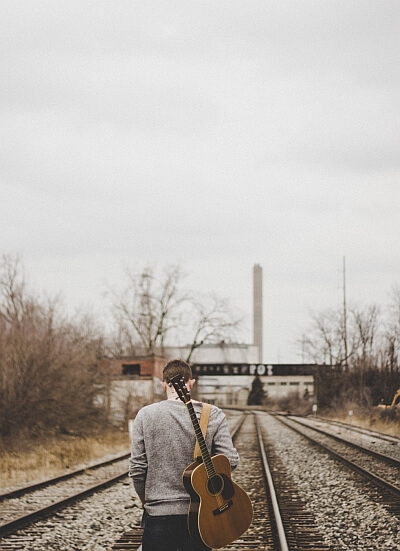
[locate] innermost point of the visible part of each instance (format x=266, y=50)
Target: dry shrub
x=49, y=379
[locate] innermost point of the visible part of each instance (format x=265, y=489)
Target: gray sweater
x=163, y=441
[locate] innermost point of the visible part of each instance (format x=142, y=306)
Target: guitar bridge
x=224, y=507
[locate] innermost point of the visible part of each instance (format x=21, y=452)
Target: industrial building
x=224, y=371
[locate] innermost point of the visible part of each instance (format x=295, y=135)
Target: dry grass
x=373, y=421
x=57, y=456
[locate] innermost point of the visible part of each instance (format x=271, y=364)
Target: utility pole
x=344, y=313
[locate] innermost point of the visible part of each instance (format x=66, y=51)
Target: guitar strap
x=204, y=416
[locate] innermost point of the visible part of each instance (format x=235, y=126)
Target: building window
x=294, y=384
x=283, y=384
x=130, y=369
x=271, y=384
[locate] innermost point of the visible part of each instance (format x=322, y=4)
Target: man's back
x=163, y=441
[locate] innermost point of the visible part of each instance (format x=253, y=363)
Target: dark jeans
x=166, y=533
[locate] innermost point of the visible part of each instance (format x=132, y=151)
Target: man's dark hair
x=177, y=367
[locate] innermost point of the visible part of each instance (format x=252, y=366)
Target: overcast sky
x=214, y=134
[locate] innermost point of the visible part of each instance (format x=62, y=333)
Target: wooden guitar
x=220, y=511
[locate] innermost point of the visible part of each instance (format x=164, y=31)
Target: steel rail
x=127, y=541
x=237, y=425
x=361, y=430
x=293, y=529
x=25, y=520
x=30, y=518
x=377, y=480
x=386, y=458
x=18, y=492
x=274, y=500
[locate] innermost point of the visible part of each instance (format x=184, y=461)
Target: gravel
x=90, y=525
x=350, y=518
x=386, y=445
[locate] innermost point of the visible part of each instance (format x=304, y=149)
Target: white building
x=230, y=384
x=221, y=352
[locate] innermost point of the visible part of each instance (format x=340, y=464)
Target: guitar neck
x=202, y=443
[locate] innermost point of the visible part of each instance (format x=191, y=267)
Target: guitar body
x=220, y=510
x=194, y=507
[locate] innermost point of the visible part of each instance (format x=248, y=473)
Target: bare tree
x=13, y=303
x=365, y=332
x=394, y=306
x=390, y=351
x=147, y=309
x=153, y=310
x=47, y=375
x=365, y=327
x=371, y=366
x=323, y=342
x=209, y=319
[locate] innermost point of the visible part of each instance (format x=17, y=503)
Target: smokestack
x=258, y=310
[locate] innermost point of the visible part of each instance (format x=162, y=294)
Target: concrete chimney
x=258, y=310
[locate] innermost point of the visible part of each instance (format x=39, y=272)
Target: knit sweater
x=163, y=441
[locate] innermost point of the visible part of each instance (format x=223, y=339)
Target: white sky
x=211, y=134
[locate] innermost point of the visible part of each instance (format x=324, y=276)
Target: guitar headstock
x=178, y=382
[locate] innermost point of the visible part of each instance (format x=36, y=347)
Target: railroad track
x=281, y=521
x=389, y=446
x=360, y=430
x=22, y=506
x=367, y=445
x=380, y=470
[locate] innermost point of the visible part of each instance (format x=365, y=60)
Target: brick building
x=133, y=383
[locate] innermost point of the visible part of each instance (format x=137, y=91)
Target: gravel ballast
x=348, y=516
x=90, y=525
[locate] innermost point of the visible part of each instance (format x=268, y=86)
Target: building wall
x=151, y=365
x=129, y=395
x=282, y=386
x=128, y=392
x=134, y=382
x=234, y=390
x=216, y=353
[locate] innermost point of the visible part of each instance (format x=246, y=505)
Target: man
x=163, y=442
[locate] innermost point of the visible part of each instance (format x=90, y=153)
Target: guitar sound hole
x=215, y=485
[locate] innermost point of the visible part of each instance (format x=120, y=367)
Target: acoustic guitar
x=220, y=511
